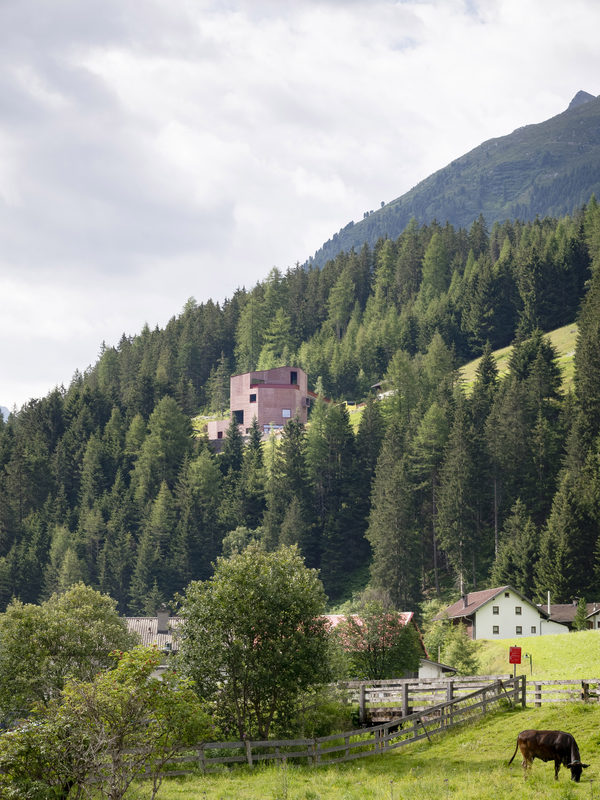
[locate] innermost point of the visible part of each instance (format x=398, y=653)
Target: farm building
x=500, y=613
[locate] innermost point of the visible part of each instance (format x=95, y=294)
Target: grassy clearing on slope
x=562, y=655
x=468, y=764
x=563, y=339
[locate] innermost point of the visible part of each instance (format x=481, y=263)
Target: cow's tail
x=515, y=753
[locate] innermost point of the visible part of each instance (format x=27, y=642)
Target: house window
x=294, y=378
x=519, y=630
x=496, y=629
x=286, y=413
x=239, y=417
x=495, y=609
x=533, y=629
x=517, y=609
x=506, y=594
x=219, y=434
x=253, y=398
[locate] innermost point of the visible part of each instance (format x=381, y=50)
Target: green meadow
x=470, y=763
x=571, y=655
x=564, y=340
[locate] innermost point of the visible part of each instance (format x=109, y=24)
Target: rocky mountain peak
x=580, y=98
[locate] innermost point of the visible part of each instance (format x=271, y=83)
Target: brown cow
x=556, y=746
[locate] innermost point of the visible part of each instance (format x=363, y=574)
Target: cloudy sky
x=151, y=151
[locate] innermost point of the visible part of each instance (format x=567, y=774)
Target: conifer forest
x=112, y=481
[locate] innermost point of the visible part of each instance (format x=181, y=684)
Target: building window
x=533, y=629
x=253, y=398
x=517, y=609
x=294, y=378
x=519, y=630
x=219, y=434
x=506, y=594
x=239, y=417
x=495, y=609
x=286, y=413
x=496, y=629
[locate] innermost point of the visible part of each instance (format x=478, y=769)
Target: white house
x=501, y=613
x=565, y=614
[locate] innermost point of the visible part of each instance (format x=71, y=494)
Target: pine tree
x=392, y=530
x=587, y=362
x=426, y=457
x=456, y=506
x=556, y=570
x=517, y=553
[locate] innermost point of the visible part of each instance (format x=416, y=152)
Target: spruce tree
x=392, y=532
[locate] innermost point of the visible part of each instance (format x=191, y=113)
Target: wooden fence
x=360, y=743
x=586, y=690
x=379, y=701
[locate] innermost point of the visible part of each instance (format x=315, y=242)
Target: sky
x=154, y=151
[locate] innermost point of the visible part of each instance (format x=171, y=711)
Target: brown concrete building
x=273, y=396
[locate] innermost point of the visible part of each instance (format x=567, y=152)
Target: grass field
x=564, y=340
x=571, y=655
x=467, y=764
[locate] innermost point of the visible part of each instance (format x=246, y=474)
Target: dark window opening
x=496, y=629
x=506, y=594
x=533, y=629
x=517, y=609
x=253, y=398
x=239, y=417
x=495, y=609
x=519, y=630
x=219, y=434
x=293, y=377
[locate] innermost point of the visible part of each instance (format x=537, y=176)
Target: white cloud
x=184, y=148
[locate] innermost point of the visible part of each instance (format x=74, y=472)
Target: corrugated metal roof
x=147, y=630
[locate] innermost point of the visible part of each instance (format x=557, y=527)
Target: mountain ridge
x=549, y=168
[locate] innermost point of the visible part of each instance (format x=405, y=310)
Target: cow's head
x=576, y=768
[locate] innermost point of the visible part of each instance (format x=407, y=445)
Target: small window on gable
x=519, y=630
x=533, y=629
x=253, y=398
x=518, y=610
x=496, y=629
x=495, y=609
x=506, y=594
x=293, y=378
x=286, y=413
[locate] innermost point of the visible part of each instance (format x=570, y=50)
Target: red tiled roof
x=335, y=619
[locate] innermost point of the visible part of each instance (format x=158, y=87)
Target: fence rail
x=540, y=692
x=360, y=743
x=379, y=701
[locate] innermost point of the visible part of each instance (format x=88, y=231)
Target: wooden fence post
x=585, y=692
x=538, y=695
x=450, y=691
x=405, y=699
x=362, y=712
x=523, y=691
x=249, y=752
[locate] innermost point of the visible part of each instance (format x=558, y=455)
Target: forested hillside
x=104, y=481
x=548, y=169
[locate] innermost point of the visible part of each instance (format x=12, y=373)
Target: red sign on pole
x=514, y=655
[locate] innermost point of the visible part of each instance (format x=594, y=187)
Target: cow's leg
x=556, y=768
x=526, y=763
